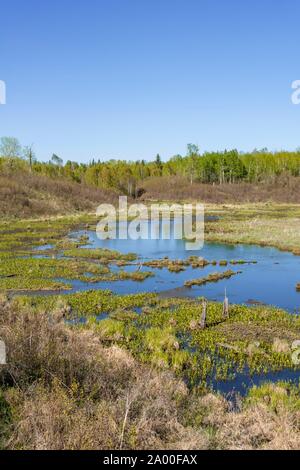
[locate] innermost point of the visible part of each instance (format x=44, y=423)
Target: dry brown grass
x=67, y=391
x=284, y=189
x=260, y=428
x=257, y=426
x=25, y=194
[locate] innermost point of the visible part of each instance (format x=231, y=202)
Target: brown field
x=284, y=189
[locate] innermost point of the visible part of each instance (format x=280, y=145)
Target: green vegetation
x=44, y=274
x=103, y=255
x=209, y=167
x=214, y=277
x=166, y=332
x=89, y=303
x=32, y=273
x=62, y=259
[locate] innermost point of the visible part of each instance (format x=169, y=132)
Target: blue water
x=271, y=281
x=243, y=381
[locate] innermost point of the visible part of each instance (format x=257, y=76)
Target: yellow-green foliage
x=282, y=395
x=19, y=270
x=162, y=348
x=89, y=303
x=42, y=273
x=109, y=329
x=99, y=254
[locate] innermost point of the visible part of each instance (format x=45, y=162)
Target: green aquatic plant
x=133, y=276
x=44, y=273
x=226, y=347
x=90, y=303
x=102, y=254
x=241, y=261
x=161, y=348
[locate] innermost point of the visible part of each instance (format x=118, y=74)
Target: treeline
x=128, y=176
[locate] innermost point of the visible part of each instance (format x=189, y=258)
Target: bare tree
x=10, y=147
x=29, y=155
x=226, y=306
x=203, y=316
x=193, y=155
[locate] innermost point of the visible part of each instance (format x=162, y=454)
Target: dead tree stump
x=202, y=323
x=226, y=307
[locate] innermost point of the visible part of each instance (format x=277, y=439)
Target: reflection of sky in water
x=160, y=242
x=272, y=280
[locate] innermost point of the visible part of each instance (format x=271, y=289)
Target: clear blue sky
x=132, y=78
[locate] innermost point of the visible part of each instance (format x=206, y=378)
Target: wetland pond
x=269, y=278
